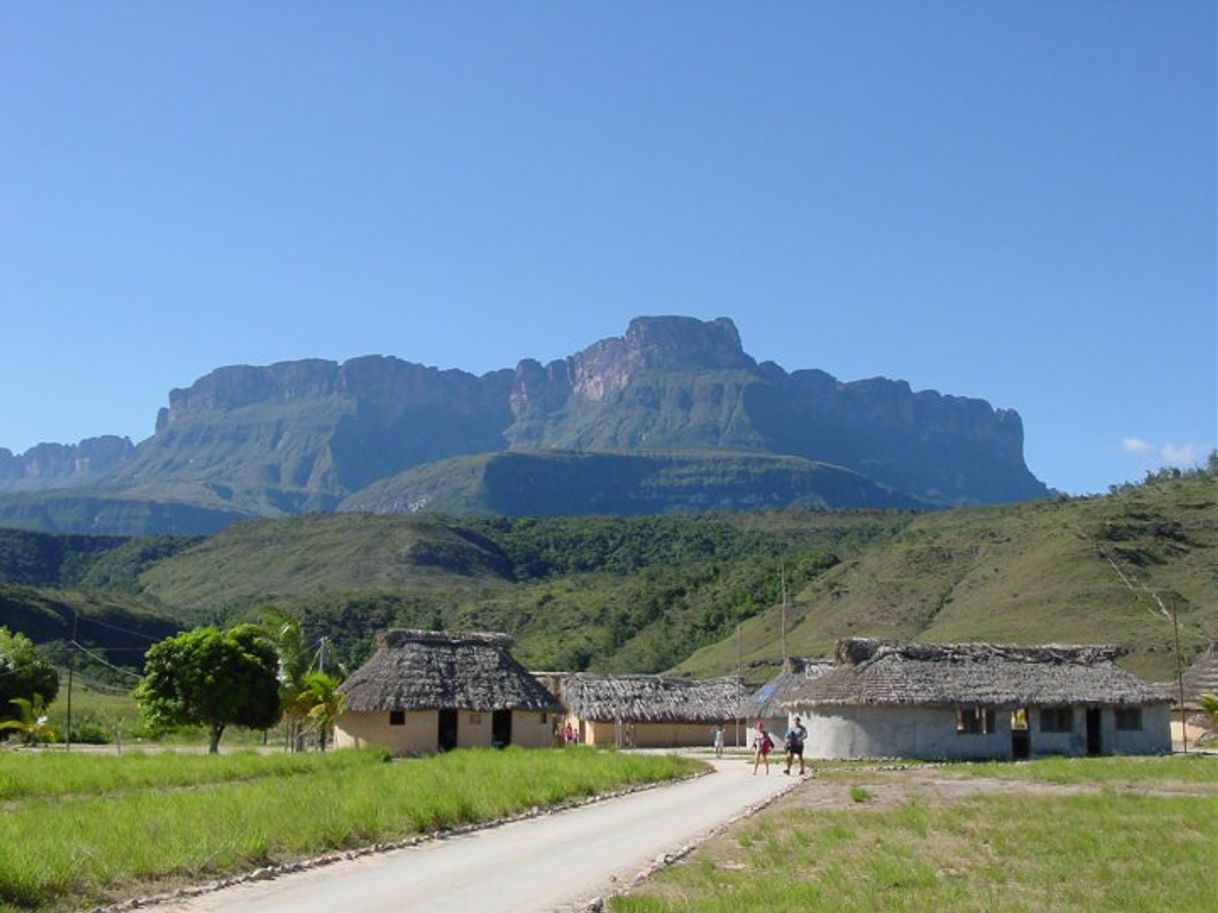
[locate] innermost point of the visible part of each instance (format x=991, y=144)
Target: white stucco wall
x=929, y=733
x=1154, y=737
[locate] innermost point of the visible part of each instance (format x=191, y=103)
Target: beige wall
x=357, y=728
x=531, y=729
x=420, y=735
x=649, y=735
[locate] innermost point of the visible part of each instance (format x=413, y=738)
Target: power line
x=105, y=662
x=104, y=624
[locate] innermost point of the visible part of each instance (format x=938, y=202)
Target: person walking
x=762, y=746
x=718, y=741
x=796, y=736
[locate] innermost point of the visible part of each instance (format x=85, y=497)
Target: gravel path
x=555, y=862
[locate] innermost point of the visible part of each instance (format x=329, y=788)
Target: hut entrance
x=501, y=728
x=448, y=730
x=1095, y=744
x=1021, y=736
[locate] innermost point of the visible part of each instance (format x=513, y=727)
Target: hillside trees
x=24, y=675
x=212, y=678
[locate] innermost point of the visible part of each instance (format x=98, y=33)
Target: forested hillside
x=653, y=593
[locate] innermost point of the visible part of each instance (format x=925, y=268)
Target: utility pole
x=783, y=633
x=739, y=679
x=71, y=667
x=1175, y=622
x=321, y=655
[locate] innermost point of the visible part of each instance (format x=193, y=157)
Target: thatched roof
x=651, y=698
x=769, y=700
x=1201, y=677
x=429, y=670
x=885, y=672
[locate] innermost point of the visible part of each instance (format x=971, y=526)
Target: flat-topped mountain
x=307, y=435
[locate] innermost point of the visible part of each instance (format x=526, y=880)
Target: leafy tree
x=212, y=678
x=23, y=674
x=31, y=721
x=322, y=703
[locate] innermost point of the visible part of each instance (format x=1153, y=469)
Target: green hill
x=1026, y=573
x=564, y=483
x=657, y=592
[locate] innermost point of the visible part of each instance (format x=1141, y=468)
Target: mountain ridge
x=301, y=436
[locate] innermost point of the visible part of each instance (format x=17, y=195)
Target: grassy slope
x=323, y=552
x=1020, y=573
x=550, y=483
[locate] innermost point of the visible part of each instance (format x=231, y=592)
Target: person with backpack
x=763, y=744
x=796, y=736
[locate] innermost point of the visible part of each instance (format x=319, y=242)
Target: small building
x=977, y=701
x=428, y=691
x=768, y=703
x=1200, y=678
x=649, y=711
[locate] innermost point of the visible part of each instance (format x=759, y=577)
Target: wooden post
x=783, y=633
x=71, y=669
x=1175, y=622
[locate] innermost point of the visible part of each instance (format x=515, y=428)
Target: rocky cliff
x=304, y=435
x=56, y=465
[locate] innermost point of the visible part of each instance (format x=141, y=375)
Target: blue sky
x=1010, y=201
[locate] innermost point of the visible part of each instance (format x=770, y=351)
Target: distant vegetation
x=647, y=593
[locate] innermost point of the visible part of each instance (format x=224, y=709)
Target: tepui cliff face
x=303, y=435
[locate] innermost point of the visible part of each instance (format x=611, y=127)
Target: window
x=544, y=717
x=475, y=719
x=974, y=720
x=1056, y=719
x=397, y=717
x=1129, y=719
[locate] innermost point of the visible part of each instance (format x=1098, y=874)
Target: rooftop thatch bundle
x=651, y=698
x=429, y=670
x=1201, y=677
x=770, y=699
x=885, y=672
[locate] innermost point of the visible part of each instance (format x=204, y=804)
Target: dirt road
x=550, y=863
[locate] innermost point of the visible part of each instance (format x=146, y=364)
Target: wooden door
x=447, y=737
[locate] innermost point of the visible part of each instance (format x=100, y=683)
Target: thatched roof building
x=973, y=701
x=429, y=670
x=877, y=672
x=651, y=698
x=1200, y=678
x=769, y=701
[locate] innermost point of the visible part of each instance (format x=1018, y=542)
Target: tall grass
x=45, y=774
x=1105, y=853
x=96, y=849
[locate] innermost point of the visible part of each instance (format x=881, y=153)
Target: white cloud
x=1136, y=445
x=1180, y=454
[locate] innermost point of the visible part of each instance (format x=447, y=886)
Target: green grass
x=45, y=774
x=997, y=854
x=89, y=850
x=861, y=794
x=1185, y=769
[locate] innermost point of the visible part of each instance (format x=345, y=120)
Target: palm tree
x=31, y=722
x=1209, y=704
x=295, y=658
x=321, y=702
